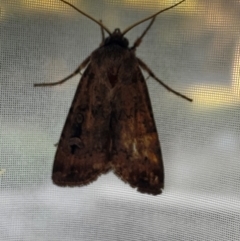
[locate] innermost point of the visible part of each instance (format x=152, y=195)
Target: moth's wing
x=136, y=153
x=83, y=150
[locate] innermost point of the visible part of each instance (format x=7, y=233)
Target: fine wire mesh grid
x=195, y=49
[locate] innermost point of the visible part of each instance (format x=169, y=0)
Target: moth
x=110, y=125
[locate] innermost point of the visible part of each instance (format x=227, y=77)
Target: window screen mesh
x=195, y=49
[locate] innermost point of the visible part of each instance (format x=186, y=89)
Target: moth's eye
x=107, y=40
x=125, y=41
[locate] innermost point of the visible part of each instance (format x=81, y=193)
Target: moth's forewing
x=136, y=153
x=83, y=150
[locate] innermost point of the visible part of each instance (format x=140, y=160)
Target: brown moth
x=110, y=125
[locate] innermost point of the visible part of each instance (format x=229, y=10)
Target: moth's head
x=117, y=38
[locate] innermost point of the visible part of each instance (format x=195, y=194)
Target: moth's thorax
x=116, y=38
x=114, y=65
x=112, y=60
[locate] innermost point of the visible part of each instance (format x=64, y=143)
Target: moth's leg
x=77, y=71
x=149, y=71
x=139, y=40
x=102, y=33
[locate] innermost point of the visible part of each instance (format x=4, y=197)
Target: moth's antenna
x=154, y=15
x=88, y=16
